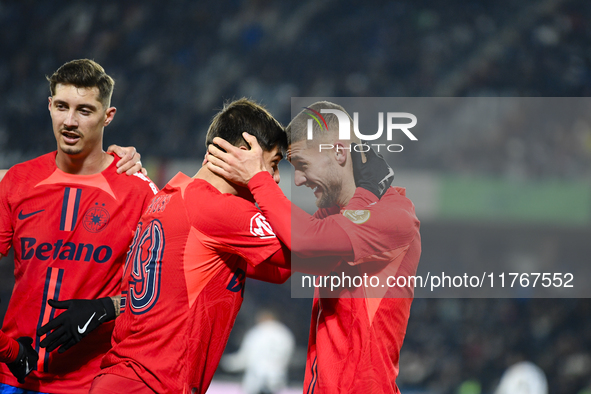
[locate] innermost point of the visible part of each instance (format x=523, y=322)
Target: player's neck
x=90, y=164
x=216, y=181
x=347, y=192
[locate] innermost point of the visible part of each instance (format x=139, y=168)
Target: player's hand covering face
x=239, y=165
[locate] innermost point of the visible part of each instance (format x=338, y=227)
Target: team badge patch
x=96, y=219
x=357, y=216
x=260, y=227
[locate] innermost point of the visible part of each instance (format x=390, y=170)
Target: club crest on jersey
x=358, y=216
x=96, y=218
x=259, y=227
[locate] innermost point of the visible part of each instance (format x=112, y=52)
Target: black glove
x=26, y=361
x=375, y=174
x=79, y=319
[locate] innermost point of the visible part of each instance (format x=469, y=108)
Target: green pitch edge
x=500, y=200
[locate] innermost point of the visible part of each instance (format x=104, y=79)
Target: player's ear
x=49, y=105
x=340, y=152
x=109, y=115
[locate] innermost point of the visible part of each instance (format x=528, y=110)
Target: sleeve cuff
x=10, y=350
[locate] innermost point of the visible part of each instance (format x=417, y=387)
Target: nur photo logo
x=392, y=124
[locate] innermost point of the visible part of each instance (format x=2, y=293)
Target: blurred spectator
x=523, y=378
x=264, y=355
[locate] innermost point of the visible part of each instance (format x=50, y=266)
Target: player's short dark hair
x=84, y=73
x=245, y=115
x=297, y=129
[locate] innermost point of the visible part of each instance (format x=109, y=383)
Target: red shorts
x=115, y=384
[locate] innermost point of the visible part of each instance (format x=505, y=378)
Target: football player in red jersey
x=356, y=331
x=184, y=277
x=70, y=218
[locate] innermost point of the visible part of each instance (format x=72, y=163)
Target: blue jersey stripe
x=43, y=306
x=46, y=291
x=58, y=285
x=64, y=209
x=76, y=206
x=314, y=369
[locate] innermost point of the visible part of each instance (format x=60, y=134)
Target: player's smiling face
x=78, y=119
x=315, y=170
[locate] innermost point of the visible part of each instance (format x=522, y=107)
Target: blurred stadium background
x=176, y=62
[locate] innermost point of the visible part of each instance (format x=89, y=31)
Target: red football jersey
x=70, y=235
x=358, y=328
x=183, y=285
x=355, y=338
